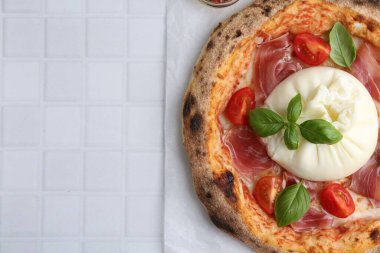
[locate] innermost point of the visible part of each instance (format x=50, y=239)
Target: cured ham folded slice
x=248, y=152
x=273, y=63
x=366, y=181
x=313, y=219
x=375, y=203
x=367, y=68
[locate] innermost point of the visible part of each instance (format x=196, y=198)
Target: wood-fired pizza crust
x=224, y=58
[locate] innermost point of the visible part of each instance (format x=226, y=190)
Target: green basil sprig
x=343, y=49
x=320, y=131
x=291, y=137
x=291, y=204
x=294, y=108
x=265, y=122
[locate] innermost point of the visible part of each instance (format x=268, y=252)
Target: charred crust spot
x=361, y=2
x=225, y=182
x=218, y=26
x=232, y=48
x=209, y=195
x=267, y=9
x=210, y=45
x=189, y=103
x=359, y=18
x=196, y=122
x=376, y=2
x=219, y=34
x=222, y=224
x=254, y=243
x=238, y=34
x=371, y=26
x=374, y=235
x=227, y=37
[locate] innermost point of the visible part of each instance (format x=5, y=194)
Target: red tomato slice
x=311, y=49
x=336, y=200
x=266, y=191
x=241, y=102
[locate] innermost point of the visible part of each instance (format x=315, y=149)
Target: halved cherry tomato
x=336, y=200
x=266, y=191
x=241, y=102
x=311, y=49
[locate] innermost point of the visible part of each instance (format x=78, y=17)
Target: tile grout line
x=124, y=129
x=83, y=142
x=42, y=132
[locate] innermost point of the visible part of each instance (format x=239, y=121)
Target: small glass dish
x=223, y=3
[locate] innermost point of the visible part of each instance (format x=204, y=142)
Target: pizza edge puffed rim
x=196, y=109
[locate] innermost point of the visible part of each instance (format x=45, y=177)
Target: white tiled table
x=81, y=111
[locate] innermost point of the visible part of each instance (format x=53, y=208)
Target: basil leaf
x=294, y=108
x=292, y=204
x=343, y=49
x=320, y=131
x=265, y=122
x=291, y=137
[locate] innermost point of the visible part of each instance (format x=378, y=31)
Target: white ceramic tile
x=147, y=6
x=105, y=80
x=62, y=216
x=146, y=81
x=22, y=6
x=19, y=216
x=147, y=165
x=103, y=216
x=20, y=170
x=23, y=37
x=62, y=126
x=65, y=37
x=64, y=81
x=21, y=80
x=144, y=127
x=143, y=247
x=105, y=6
x=106, y=37
x=149, y=207
x=61, y=247
x=146, y=37
x=103, y=171
x=66, y=6
x=21, y=126
x=19, y=247
x=103, y=247
x=104, y=126
x=63, y=170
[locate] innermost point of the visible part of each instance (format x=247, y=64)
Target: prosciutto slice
x=367, y=68
x=273, y=63
x=248, y=152
x=313, y=219
x=375, y=203
x=366, y=181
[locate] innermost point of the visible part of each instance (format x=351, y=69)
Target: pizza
x=281, y=126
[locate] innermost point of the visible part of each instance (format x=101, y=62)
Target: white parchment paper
x=187, y=227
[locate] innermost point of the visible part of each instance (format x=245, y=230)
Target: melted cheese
x=338, y=97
